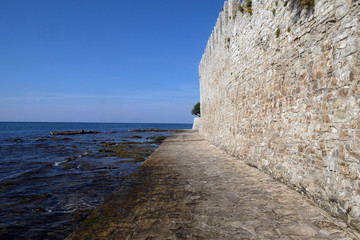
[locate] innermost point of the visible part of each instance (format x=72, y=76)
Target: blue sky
x=103, y=60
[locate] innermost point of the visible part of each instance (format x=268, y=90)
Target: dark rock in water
x=129, y=151
x=42, y=139
x=108, y=144
x=156, y=139
x=151, y=130
x=62, y=139
x=105, y=150
x=15, y=140
x=68, y=166
x=73, y=132
x=136, y=136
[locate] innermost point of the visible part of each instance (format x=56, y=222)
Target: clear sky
x=102, y=60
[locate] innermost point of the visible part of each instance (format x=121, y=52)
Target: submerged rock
x=73, y=132
x=132, y=151
x=136, y=136
x=43, y=139
x=15, y=140
x=156, y=139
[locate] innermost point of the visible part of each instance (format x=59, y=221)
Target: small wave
x=58, y=163
x=82, y=203
x=82, y=154
x=110, y=131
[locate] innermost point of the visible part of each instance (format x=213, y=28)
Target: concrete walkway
x=189, y=189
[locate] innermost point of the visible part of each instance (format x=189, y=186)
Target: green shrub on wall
x=307, y=3
x=249, y=6
x=248, y=3
x=227, y=42
x=278, y=32
x=241, y=9
x=245, y=8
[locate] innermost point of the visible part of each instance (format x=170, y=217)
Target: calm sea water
x=49, y=184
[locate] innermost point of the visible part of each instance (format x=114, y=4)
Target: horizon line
x=1, y=121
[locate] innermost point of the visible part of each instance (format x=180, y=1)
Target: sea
x=49, y=184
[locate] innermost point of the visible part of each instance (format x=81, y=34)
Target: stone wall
x=280, y=89
x=196, y=124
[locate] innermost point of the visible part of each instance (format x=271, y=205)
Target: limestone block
x=342, y=8
x=196, y=124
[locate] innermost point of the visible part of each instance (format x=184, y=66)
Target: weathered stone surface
x=189, y=189
x=196, y=124
x=289, y=105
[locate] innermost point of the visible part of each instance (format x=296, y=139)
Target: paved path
x=189, y=189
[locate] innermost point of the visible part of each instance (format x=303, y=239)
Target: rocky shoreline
x=133, y=151
x=73, y=132
x=82, y=171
